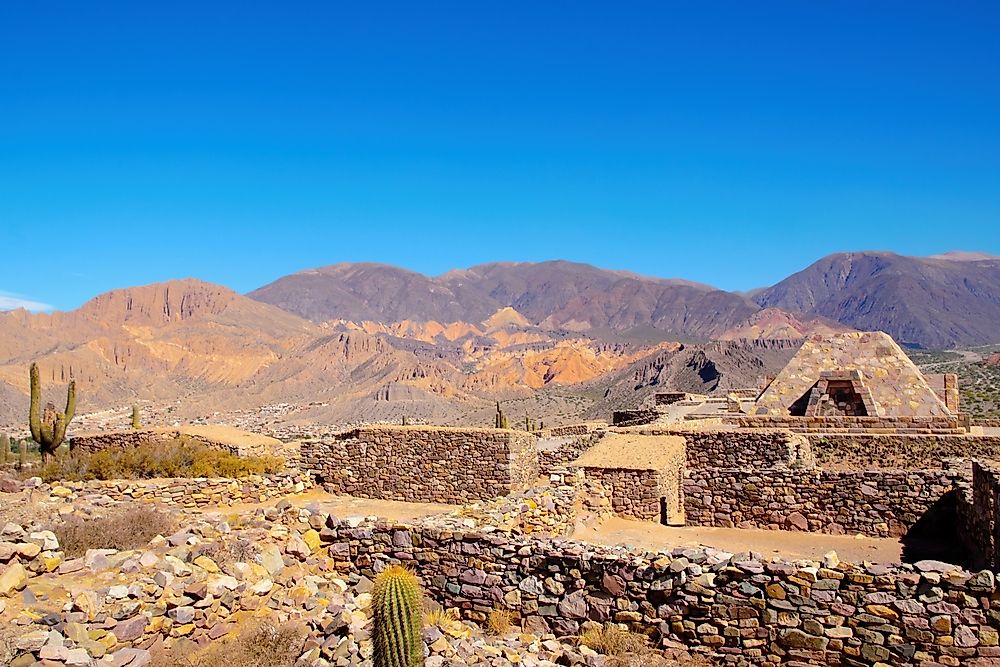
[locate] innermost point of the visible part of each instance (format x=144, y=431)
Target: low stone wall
x=191, y=492
x=554, y=453
x=864, y=450
x=743, y=609
x=877, y=503
x=574, y=429
x=240, y=444
x=635, y=494
x=737, y=448
x=988, y=422
x=931, y=425
x=633, y=417
x=424, y=463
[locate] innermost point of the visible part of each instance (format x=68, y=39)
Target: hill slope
x=932, y=302
x=552, y=295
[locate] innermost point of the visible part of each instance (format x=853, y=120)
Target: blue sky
x=730, y=143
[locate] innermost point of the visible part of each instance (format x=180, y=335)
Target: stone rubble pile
x=207, y=581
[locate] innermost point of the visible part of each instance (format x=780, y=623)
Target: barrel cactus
x=397, y=616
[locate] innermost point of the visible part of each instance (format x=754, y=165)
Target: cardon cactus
x=136, y=422
x=49, y=428
x=397, y=617
x=501, y=418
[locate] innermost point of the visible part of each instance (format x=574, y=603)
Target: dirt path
x=791, y=545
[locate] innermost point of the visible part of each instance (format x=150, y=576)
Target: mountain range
x=552, y=340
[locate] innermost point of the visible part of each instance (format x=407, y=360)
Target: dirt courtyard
x=786, y=544
x=639, y=534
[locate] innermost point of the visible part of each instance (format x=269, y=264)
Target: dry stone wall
x=979, y=514
x=244, y=444
x=744, y=609
x=867, y=450
x=877, y=503
x=424, y=463
x=191, y=492
x=634, y=494
x=735, y=449
x=943, y=425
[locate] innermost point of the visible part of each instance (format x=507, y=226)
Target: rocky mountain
x=776, y=324
x=201, y=348
x=938, y=301
x=551, y=295
x=710, y=368
x=934, y=302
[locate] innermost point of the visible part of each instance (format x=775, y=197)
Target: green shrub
x=179, y=458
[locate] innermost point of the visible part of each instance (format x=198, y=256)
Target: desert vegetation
x=258, y=644
x=121, y=529
x=181, y=457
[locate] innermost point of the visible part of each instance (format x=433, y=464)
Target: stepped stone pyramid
x=859, y=373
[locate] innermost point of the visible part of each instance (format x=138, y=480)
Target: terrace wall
x=876, y=503
x=742, y=609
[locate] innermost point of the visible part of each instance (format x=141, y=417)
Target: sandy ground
x=792, y=545
x=639, y=534
x=348, y=506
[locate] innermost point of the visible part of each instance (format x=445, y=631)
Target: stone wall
x=557, y=452
x=942, y=425
x=633, y=417
x=424, y=463
x=635, y=494
x=866, y=450
x=979, y=515
x=736, y=449
x=234, y=441
x=877, y=503
x=743, y=609
x=192, y=492
x=945, y=385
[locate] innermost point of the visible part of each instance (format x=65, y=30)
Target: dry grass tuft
x=614, y=640
x=441, y=617
x=131, y=528
x=500, y=622
x=651, y=659
x=8, y=638
x=183, y=457
x=261, y=644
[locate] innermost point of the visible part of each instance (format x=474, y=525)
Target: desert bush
x=130, y=528
x=260, y=644
x=227, y=551
x=178, y=458
x=500, y=622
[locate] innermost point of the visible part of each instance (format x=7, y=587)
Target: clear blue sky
x=725, y=142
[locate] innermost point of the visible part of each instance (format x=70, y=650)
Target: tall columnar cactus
x=136, y=422
x=501, y=418
x=397, y=618
x=4, y=448
x=49, y=428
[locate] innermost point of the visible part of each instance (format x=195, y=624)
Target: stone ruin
x=854, y=374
